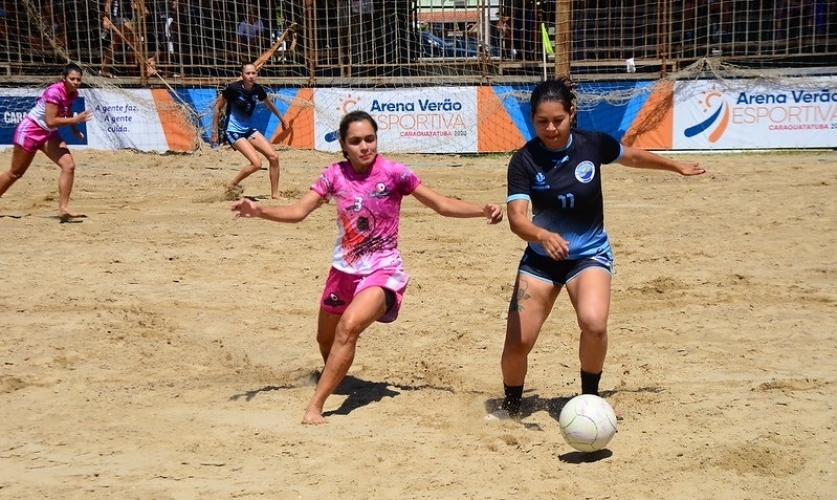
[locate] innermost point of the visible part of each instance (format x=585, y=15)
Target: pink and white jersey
x=55, y=94
x=368, y=213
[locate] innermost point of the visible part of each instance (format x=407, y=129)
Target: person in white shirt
x=250, y=30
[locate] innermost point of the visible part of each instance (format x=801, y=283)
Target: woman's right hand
x=246, y=208
x=84, y=116
x=556, y=247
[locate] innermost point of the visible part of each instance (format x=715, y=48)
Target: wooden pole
x=311, y=38
x=563, y=37
x=141, y=43
x=664, y=34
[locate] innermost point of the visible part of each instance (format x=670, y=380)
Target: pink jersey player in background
x=38, y=130
x=367, y=278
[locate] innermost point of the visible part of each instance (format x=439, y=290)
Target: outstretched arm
x=639, y=158
x=291, y=213
x=451, y=207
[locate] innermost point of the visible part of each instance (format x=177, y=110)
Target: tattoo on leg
x=519, y=295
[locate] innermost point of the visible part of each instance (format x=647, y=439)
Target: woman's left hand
x=689, y=168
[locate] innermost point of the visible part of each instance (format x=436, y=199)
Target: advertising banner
x=138, y=119
x=125, y=120
x=435, y=119
x=684, y=115
x=742, y=115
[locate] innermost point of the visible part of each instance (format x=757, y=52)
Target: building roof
x=449, y=16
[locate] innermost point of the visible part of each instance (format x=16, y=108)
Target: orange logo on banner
x=713, y=102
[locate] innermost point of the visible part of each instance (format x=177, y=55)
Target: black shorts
x=234, y=136
x=560, y=272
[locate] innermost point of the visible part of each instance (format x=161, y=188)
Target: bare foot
x=313, y=417
x=67, y=214
x=278, y=197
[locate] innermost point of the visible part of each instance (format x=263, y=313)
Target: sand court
x=160, y=349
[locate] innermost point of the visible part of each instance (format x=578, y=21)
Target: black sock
x=513, y=396
x=590, y=382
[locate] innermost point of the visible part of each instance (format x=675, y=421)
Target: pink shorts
x=341, y=288
x=31, y=137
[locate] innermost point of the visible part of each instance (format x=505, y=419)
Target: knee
x=256, y=165
x=347, y=331
x=68, y=167
x=325, y=338
x=594, y=327
x=517, y=346
x=273, y=160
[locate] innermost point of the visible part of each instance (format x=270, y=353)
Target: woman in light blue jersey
x=240, y=99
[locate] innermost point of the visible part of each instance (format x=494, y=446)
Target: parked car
x=474, y=45
x=435, y=47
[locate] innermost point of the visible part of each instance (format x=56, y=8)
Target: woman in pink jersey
x=38, y=130
x=367, y=278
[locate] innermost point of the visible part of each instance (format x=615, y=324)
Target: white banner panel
x=738, y=114
x=125, y=119
x=427, y=120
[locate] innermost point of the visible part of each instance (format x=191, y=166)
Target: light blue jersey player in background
x=559, y=174
x=240, y=99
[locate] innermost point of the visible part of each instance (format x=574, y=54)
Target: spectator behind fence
x=816, y=15
x=504, y=34
x=118, y=24
x=283, y=50
x=251, y=35
x=161, y=44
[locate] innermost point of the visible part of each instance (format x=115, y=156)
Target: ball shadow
x=580, y=457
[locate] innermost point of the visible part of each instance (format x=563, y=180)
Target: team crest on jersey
x=540, y=182
x=585, y=172
x=381, y=191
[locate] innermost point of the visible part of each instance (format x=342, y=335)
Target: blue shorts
x=234, y=136
x=561, y=272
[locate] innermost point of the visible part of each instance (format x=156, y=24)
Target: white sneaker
x=500, y=414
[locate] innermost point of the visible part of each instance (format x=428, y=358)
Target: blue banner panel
x=16, y=107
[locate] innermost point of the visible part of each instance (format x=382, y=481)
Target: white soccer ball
x=587, y=422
